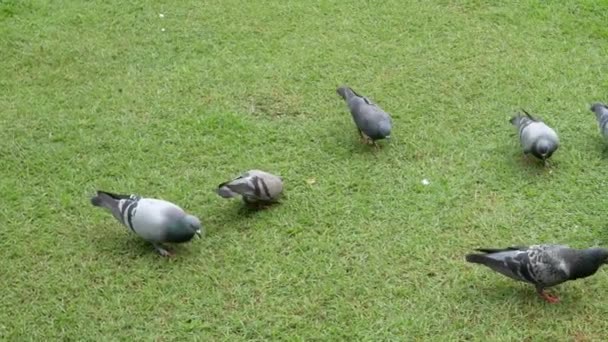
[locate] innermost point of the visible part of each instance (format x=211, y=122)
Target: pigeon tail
x=598, y=106
x=486, y=261
x=343, y=91
x=235, y=187
x=515, y=119
x=96, y=201
x=105, y=199
x=224, y=191
x=347, y=92
x=600, y=110
x=497, y=250
x=476, y=258
x=528, y=115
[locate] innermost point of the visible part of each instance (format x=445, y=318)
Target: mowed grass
x=109, y=95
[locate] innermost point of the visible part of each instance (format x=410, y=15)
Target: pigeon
x=255, y=187
x=542, y=265
x=535, y=136
x=156, y=221
x=601, y=114
x=372, y=122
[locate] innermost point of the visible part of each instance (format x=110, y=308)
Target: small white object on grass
x=162, y=29
x=425, y=182
x=161, y=15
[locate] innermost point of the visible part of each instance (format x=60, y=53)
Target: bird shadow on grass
x=123, y=245
x=529, y=164
x=347, y=138
x=525, y=296
x=118, y=246
x=238, y=213
x=358, y=146
x=517, y=295
x=602, y=148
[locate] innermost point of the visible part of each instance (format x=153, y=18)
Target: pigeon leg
x=162, y=250
x=257, y=205
x=261, y=205
x=365, y=139
x=264, y=205
x=546, y=296
x=250, y=203
x=362, y=137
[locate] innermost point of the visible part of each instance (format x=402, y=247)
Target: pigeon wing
x=152, y=218
x=511, y=262
x=547, y=265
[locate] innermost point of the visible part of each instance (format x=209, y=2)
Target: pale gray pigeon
x=535, y=136
x=255, y=186
x=543, y=265
x=372, y=122
x=601, y=114
x=156, y=221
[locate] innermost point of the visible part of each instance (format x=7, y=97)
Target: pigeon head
x=193, y=224
x=598, y=255
x=384, y=128
x=543, y=149
x=184, y=229
x=588, y=262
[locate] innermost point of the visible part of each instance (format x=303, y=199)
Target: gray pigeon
x=542, y=265
x=256, y=187
x=156, y=221
x=601, y=114
x=535, y=136
x=372, y=122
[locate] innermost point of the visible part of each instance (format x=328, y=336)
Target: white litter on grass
x=425, y=182
x=162, y=29
x=160, y=15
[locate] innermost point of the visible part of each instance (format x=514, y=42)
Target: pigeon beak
x=199, y=234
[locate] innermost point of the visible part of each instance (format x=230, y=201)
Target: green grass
x=95, y=95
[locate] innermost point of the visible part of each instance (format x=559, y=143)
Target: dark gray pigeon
x=372, y=122
x=542, y=265
x=601, y=114
x=535, y=136
x=156, y=221
x=255, y=186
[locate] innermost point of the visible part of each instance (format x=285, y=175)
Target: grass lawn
x=111, y=95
